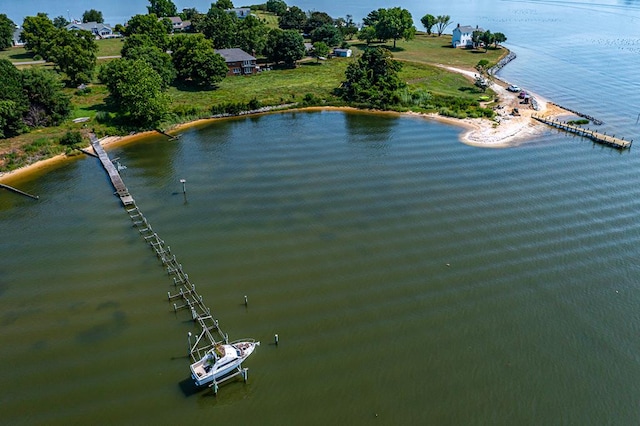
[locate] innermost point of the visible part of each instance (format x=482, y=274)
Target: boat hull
x=221, y=361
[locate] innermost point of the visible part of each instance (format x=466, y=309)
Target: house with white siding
x=98, y=29
x=16, y=38
x=463, y=35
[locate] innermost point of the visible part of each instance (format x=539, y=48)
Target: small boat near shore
x=221, y=361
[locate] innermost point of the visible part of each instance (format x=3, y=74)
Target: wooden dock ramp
x=598, y=137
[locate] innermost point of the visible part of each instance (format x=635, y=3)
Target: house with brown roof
x=238, y=61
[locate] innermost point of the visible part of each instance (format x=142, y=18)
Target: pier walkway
x=599, y=137
x=185, y=295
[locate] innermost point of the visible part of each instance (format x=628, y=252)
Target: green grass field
x=106, y=47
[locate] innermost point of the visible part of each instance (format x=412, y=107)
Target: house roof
x=173, y=19
x=234, y=55
x=468, y=28
x=89, y=26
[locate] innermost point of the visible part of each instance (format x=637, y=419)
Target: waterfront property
x=463, y=35
x=98, y=29
x=238, y=61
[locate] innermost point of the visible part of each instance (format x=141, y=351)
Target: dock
x=599, y=137
x=17, y=191
x=184, y=296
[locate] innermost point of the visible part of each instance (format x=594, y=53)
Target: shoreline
x=479, y=132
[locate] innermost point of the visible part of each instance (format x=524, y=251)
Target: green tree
x=368, y=34
x=74, y=53
x=395, y=23
x=37, y=31
x=293, y=19
x=162, y=8
x=196, y=61
x=317, y=20
x=13, y=101
x=219, y=26
x=6, y=32
x=327, y=34
x=135, y=91
x=320, y=50
x=487, y=39
x=442, y=22
x=48, y=104
x=60, y=22
x=499, y=38
x=372, y=18
x=285, y=46
x=348, y=28
x=251, y=35
x=152, y=27
x=373, y=79
x=279, y=7
x=135, y=41
x=224, y=4
x=158, y=60
x=428, y=21
x=476, y=38
x=482, y=65
x=92, y=15
x=188, y=13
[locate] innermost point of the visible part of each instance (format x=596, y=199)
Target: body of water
x=412, y=279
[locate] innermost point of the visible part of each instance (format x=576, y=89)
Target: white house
x=100, y=30
x=241, y=12
x=463, y=35
x=16, y=38
x=177, y=23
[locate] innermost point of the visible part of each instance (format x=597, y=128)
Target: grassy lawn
x=16, y=54
x=438, y=51
x=270, y=87
x=106, y=47
x=268, y=18
x=109, y=46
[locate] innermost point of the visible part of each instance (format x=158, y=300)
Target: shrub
x=71, y=139
x=254, y=104
x=186, y=110
x=103, y=117
x=310, y=99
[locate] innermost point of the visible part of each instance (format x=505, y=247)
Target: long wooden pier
x=598, y=137
x=185, y=295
